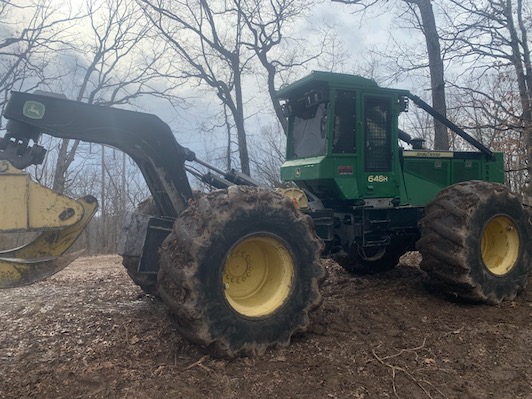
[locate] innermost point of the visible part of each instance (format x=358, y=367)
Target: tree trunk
x=523, y=73
x=271, y=70
x=239, y=122
x=65, y=157
x=441, y=138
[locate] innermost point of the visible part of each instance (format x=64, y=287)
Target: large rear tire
x=240, y=271
x=475, y=239
x=147, y=282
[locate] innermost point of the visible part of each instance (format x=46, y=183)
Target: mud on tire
x=240, y=271
x=147, y=282
x=475, y=242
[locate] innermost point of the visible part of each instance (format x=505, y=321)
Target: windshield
x=308, y=131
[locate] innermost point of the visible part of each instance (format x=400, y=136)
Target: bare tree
x=109, y=59
x=31, y=32
x=119, y=64
x=492, y=39
x=425, y=21
x=206, y=37
x=490, y=109
x=266, y=23
x=269, y=155
x=226, y=44
x=436, y=69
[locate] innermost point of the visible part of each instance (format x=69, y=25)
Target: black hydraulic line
x=209, y=166
x=241, y=179
x=209, y=178
x=216, y=181
x=467, y=137
x=232, y=176
x=193, y=172
x=144, y=137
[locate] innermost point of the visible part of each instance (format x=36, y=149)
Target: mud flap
x=142, y=235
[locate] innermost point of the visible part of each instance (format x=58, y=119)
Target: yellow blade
x=38, y=259
x=29, y=206
x=19, y=272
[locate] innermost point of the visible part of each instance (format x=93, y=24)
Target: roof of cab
x=313, y=80
x=318, y=79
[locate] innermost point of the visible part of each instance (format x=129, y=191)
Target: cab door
x=378, y=178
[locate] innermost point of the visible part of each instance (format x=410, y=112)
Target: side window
x=344, y=122
x=377, y=122
x=308, y=132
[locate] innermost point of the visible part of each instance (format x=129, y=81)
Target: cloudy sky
x=358, y=34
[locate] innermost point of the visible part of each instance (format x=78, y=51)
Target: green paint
x=372, y=165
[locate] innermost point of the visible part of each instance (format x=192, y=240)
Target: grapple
x=26, y=206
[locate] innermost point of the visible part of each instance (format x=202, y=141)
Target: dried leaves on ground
x=88, y=332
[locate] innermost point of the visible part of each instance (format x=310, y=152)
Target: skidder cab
x=342, y=136
x=369, y=183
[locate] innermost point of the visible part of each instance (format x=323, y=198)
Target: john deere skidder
x=239, y=267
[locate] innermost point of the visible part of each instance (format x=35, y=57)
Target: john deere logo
x=33, y=110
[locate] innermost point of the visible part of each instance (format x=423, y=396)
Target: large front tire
x=240, y=271
x=475, y=239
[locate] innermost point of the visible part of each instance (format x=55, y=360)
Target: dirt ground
x=88, y=332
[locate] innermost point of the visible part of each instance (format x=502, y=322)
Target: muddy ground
x=88, y=332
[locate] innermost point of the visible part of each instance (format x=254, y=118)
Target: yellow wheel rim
x=258, y=275
x=500, y=245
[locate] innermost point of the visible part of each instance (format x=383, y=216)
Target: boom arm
x=147, y=140
x=467, y=137
x=144, y=137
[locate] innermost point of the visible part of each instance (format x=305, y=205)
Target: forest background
x=210, y=69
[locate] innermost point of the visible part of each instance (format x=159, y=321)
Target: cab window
x=377, y=122
x=344, y=122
